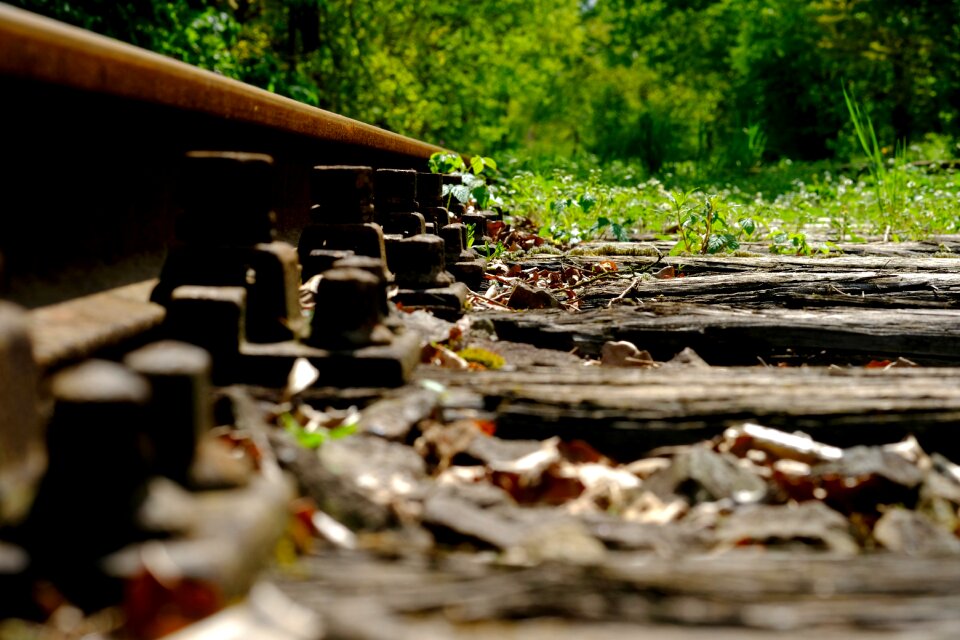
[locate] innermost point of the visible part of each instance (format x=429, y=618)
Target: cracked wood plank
x=728, y=335
x=627, y=412
x=745, y=593
x=795, y=289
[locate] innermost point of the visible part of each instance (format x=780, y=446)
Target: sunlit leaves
x=718, y=242
x=442, y=162
x=748, y=225
x=479, y=163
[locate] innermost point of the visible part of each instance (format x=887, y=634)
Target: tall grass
x=888, y=180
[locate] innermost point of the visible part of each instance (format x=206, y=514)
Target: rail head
x=43, y=50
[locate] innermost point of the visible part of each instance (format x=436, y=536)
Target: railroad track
x=129, y=178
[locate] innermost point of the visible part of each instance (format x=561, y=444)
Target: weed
x=491, y=252
x=745, y=149
x=888, y=181
x=474, y=189
x=314, y=436
x=705, y=229
x=579, y=202
x=471, y=235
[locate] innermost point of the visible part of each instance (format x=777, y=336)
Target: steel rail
x=41, y=49
x=94, y=131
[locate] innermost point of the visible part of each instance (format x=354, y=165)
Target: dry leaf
x=302, y=376
x=624, y=354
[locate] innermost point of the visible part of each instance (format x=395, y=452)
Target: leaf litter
x=454, y=484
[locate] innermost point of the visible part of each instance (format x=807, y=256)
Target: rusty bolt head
x=480, y=224
x=99, y=382
x=349, y=310
x=418, y=262
x=95, y=481
x=373, y=266
x=452, y=178
x=227, y=197
x=365, y=240
x=396, y=190
x=343, y=194
x=97, y=424
x=430, y=189
x=469, y=272
x=441, y=217
x=211, y=317
x=408, y=223
x=454, y=238
x=376, y=268
x=180, y=412
x=319, y=260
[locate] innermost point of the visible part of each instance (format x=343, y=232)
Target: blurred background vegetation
x=722, y=84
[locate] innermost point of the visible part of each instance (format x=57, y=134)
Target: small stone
x=703, y=475
x=624, y=354
x=566, y=541
x=688, y=358
x=915, y=534
x=526, y=297
x=807, y=521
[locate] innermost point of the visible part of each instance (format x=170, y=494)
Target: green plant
x=492, y=252
x=471, y=235
x=317, y=435
x=444, y=162
x=706, y=230
x=578, y=200
x=745, y=148
x=680, y=209
x=795, y=243
x=474, y=187
x=888, y=182
x=618, y=229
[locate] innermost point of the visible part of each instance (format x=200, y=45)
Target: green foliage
x=777, y=204
x=441, y=162
x=615, y=108
x=314, y=438
x=706, y=87
x=888, y=182
x=705, y=229
x=745, y=148
x=479, y=163
x=786, y=243
x=471, y=235
x=474, y=189
x=491, y=252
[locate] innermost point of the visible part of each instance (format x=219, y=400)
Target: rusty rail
x=93, y=129
x=45, y=50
